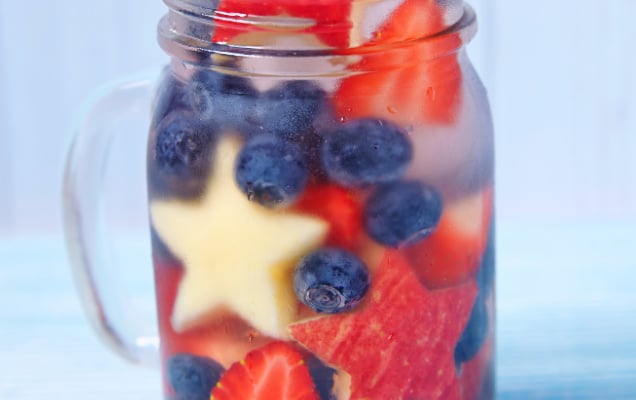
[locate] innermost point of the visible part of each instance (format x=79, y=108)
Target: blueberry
x=183, y=144
x=290, y=108
x=310, y=143
x=193, y=377
x=228, y=100
x=402, y=213
x=474, y=334
x=169, y=96
x=322, y=376
x=331, y=280
x=271, y=171
x=366, y=151
x=181, y=155
x=486, y=273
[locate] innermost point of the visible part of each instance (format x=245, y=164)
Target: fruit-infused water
x=321, y=201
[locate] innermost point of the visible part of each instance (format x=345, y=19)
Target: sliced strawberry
x=418, y=83
x=331, y=22
x=398, y=344
x=452, y=254
x=411, y=20
x=274, y=372
x=339, y=208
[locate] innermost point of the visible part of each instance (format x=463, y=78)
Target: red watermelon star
x=399, y=344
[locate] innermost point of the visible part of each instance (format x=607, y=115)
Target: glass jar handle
x=101, y=290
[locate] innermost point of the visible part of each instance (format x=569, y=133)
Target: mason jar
x=320, y=193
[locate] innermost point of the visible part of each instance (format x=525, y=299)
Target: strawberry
x=411, y=85
x=413, y=19
x=331, y=23
x=399, y=343
x=339, y=208
x=273, y=372
x=453, y=252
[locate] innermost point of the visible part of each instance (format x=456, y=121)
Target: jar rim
x=192, y=48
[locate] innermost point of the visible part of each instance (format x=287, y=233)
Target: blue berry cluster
x=274, y=166
x=377, y=152
x=287, y=145
x=367, y=153
x=189, y=116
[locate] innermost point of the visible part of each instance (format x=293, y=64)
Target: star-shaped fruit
x=236, y=253
x=400, y=343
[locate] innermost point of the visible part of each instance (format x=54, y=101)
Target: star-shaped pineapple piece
x=399, y=343
x=236, y=253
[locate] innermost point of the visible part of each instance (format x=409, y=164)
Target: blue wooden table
x=566, y=318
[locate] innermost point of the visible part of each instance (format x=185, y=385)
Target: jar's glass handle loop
x=107, y=115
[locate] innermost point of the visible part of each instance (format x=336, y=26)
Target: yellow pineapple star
x=235, y=253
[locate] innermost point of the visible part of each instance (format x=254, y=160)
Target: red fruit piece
x=400, y=343
x=416, y=84
x=274, y=372
x=414, y=19
x=331, y=22
x=452, y=254
x=337, y=206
